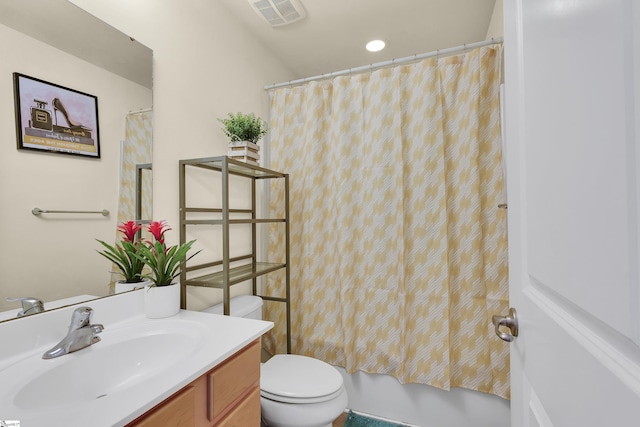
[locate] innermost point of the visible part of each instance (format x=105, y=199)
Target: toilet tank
x=247, y=306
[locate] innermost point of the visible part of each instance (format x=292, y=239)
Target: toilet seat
x=292, y=378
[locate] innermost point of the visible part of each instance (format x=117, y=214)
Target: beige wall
x=53, y=257
x=205, y=65
x=496, y=27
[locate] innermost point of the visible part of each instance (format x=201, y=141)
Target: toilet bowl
x=299, y=391
x=295, y=391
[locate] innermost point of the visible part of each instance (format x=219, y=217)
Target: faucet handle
x=30, y=305
x=80, y=318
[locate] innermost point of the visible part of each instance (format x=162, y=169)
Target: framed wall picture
x=54, y=118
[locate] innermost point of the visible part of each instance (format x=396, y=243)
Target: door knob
x=510, y=321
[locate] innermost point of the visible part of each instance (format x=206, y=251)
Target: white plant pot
x=122, y=286
x=161, y=301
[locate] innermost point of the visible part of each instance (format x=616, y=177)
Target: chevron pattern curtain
x=399, y=252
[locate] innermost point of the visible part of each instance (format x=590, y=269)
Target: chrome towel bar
x=38, y=211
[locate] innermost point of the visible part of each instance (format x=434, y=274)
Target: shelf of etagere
x=236, y=275
x=231, y=221
x=234, y=167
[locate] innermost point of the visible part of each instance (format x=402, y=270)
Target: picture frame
x=53, y=118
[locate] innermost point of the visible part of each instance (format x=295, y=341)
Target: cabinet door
x=177, y=411
x=228, y=383
x=246, y=413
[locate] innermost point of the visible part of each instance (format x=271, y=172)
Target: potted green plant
x=244, y=132
x=162, y=296
x=123, y=256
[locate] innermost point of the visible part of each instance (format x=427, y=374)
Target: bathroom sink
x=126, y=356
x=138, y=364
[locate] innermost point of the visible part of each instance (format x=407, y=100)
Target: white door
x=572, y=115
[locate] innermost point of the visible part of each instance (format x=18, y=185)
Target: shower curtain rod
x=406, y=59
x=142, y=110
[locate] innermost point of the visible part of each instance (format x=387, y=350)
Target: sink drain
x=102, y=395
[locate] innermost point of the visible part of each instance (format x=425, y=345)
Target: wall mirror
x=53, y=256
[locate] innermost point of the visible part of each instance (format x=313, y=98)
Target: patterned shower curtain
x=398, y=249
x=136, y=149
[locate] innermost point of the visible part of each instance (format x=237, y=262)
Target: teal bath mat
x=357, y=420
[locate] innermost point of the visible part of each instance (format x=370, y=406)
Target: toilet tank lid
x=240, y=306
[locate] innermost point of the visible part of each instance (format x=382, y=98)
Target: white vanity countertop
x=21, y=364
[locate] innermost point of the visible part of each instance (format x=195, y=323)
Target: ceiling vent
x=278, y=12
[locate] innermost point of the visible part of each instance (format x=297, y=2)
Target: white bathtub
x=421, y=405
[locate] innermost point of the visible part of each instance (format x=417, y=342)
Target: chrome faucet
x=81, y=334
x=30, y=305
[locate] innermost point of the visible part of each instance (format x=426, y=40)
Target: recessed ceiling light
x=375, y=45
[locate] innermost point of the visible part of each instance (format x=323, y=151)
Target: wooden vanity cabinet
x=226, y=396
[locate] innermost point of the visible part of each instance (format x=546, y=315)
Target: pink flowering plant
x=164, y=262
x=123, y=254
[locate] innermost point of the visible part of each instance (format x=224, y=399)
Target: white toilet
x=295, y=391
